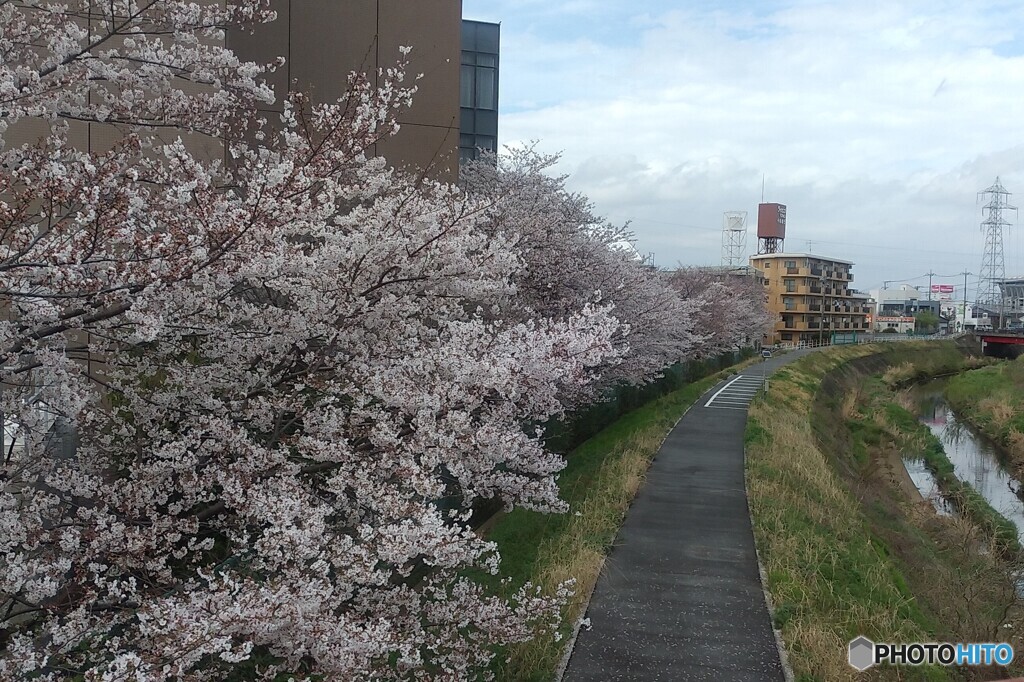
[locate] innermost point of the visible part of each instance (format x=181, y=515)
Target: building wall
x=810, y=297
x=478, y=96
x=323, y=41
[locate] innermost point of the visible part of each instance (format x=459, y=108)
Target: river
x=975, y=459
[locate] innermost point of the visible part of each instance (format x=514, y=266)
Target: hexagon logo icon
x=862, y=653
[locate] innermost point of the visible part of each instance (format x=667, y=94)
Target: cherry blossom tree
x=238, y=392
x=732, y=307
x=575, y=258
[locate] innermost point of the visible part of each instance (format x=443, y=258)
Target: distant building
x=810, y=299
x=478, y=88
x=1012, y=293
x=897, y=308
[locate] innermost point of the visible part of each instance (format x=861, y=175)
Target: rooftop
x=766, y=256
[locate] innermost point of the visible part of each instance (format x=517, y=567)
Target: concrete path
x=680, y=596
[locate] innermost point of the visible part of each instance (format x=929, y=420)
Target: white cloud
x=875, y=122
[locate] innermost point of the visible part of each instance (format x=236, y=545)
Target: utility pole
x=930, y=275
x=963, y=321
x=821, y=326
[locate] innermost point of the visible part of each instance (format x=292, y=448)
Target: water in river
x=975, y=460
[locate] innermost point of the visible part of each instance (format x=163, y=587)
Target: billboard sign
x=771, y=220
x=942, y=288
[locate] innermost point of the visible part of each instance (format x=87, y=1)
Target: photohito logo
x=863, y=653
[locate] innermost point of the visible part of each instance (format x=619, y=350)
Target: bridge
x=1001, y=343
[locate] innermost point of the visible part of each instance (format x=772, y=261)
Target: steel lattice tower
x=734, y=239
x=993, y=264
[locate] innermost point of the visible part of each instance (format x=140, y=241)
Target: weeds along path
x=680, y=596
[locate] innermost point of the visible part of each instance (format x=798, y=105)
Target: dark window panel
x=486, y=88
x=486, y=122
x=467, y=84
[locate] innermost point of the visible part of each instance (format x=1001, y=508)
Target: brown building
x=324, y=40
x=810, y=298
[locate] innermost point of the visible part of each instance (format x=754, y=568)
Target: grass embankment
x=844, y=551
x=991, y=399
x=600, y=480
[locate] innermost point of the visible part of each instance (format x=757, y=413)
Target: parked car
x=765, y=353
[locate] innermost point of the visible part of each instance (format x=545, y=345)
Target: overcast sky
x=876, y=123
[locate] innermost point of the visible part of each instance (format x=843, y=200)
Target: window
x=787, y=336
x=478, y=81
x=466, y=85
x=767, y=264
x=788, y=303
x=790, y=285
x=791, y=264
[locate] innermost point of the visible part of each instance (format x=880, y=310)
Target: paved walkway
x=680, y=595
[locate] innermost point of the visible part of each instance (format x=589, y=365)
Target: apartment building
x=810, y=298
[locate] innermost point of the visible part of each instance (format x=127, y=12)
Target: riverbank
x=846, y=551
x=991, y=399
x=918, y=441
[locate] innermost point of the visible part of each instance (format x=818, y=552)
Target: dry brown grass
x=851, y=402
x=792, y=487
x=899, y=373
x=1015, y=445
x=905, y=400
x=976, y=361
x=1000, y=409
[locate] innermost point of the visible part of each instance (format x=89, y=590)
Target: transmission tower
x=993, y=264
x=734, y=239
